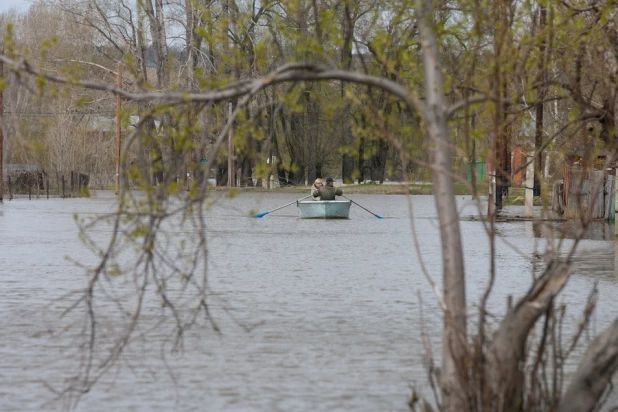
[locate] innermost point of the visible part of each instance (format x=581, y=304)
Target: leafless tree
x=481, y=370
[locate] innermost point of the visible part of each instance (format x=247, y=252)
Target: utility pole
x=231, y=178
x=541, y=92
x=231, y=175
x=188, y=154
x=118, y=129
x=1, y=130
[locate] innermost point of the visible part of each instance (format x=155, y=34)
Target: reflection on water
x=597, y=262
x=315, y=315
x=596, y=230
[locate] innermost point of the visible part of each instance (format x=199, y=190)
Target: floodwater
x=313, y=315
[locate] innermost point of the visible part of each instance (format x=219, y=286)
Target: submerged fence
x=35, y=183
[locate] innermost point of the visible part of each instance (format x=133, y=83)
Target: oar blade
x=280, y=207
x=364, y=208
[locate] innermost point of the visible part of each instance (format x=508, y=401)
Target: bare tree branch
x=594, y=373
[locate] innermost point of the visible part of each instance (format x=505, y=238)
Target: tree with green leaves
x=446, y=80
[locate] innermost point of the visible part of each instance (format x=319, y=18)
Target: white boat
x=324, y=209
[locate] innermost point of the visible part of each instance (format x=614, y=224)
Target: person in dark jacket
x=329, y=191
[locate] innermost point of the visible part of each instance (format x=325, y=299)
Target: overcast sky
x=14, y=4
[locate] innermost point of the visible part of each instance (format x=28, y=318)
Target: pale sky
x=20, y=5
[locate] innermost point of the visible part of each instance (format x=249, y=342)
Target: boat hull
x=324, y=209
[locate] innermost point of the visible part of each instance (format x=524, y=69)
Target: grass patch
x=521, y=201
x=370, y=189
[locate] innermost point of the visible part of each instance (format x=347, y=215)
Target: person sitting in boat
x=329, y=191
x=314, y=189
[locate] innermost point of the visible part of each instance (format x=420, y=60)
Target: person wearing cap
x=316, y=186
x=329, y=191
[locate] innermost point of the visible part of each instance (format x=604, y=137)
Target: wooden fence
x=41, y=184
x=584, y=189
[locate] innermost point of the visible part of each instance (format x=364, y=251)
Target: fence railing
x=21, y=182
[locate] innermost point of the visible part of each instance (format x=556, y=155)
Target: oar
x=280, y=207
x=364, y=208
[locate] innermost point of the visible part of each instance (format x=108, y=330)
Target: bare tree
x=482, y=370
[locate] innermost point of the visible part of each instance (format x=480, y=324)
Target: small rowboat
x=324, y=209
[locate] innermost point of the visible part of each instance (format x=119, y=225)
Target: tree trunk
x=361, y=160
x=193, y=44
x=221, y=176
x=379, y=158
x=296, y=156
x=541, y=92
x=246, y=162
x=452, y=377
x=382, y=156
x=506, y=354
x=246, y=172
x=158, y=36
x=594, y=374
x=312, y=108
x=347, y=163
x=159, y=39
